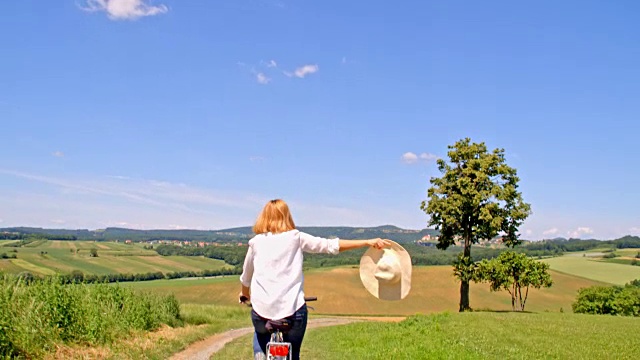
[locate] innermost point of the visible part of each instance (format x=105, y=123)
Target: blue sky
x=193, y=113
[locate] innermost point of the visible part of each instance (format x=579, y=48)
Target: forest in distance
x=420, y=254
x=243, y=234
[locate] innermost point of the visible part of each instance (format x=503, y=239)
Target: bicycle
x=277, y=348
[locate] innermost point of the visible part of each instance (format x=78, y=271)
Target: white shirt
x=273, y=270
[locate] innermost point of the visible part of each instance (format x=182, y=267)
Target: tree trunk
x=464, y=284
x=526, y=295
x=464, y=296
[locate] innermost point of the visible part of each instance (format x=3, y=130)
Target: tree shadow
x=504, y=311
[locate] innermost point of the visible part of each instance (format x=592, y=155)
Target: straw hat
x=386, y=273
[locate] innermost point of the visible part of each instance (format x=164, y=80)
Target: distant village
x=429, y=240
x=183, y=243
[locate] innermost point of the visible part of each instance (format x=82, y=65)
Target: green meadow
x=47, y=257
x=477, y=335
x=595, y=268
x=6, y=242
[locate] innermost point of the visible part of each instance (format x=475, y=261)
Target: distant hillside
x=225, y=235
x=344, y=232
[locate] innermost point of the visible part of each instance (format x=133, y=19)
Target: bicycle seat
x=283, y=325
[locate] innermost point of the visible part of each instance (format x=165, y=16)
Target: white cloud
x=262, y=79
x=428, y=157
x=303, y=71
x=151, y=192
x=179, y=227
x=58, y=154
x=412, y=158
x=635, y=230
x=124, y=9
x=409, y=158
x=268, y=64
x=58, y=221
x=347, y=61
x=551, y=231
x=579, y=232
x=97, y=202
x=256, y=158
x=119, y=177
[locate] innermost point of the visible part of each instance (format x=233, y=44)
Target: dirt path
x=203, y=349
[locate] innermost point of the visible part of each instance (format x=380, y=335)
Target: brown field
x=340, y=291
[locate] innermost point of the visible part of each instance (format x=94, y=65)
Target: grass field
x=50, y=257
x=5, y=242
x=483, y=335
x=340, y=291
x=594, y=268
x=621, y=260
x=631, y=253
x=201, y=321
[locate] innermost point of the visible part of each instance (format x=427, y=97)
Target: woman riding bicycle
x=272, y=272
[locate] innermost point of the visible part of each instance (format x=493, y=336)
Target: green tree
x=608, y=300
x=93, y=252
x=476, y=198
x=76, y=276
x=513, y=272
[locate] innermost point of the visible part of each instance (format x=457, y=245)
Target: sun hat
x=386, y=273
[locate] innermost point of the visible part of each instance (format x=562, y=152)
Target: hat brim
x=381, y=290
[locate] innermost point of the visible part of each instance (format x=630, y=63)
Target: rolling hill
x=225, y=235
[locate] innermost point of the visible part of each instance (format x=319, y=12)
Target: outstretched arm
x=355, y=244
x=313, y=244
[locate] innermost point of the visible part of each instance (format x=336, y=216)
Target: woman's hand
x=242, y=298
x=379, y=243
x=245, y=294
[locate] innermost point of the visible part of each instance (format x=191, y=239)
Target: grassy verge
x=200, y=321
x=479, y=335
x=37, y=318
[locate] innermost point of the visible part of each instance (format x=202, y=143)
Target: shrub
x=612, y=300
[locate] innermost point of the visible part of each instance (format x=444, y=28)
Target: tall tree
x=476, y=198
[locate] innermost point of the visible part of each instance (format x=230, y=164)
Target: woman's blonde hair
x=275, y=218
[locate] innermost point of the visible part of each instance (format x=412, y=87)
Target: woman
x=272, y=272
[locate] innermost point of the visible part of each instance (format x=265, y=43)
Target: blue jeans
x=294, y=336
